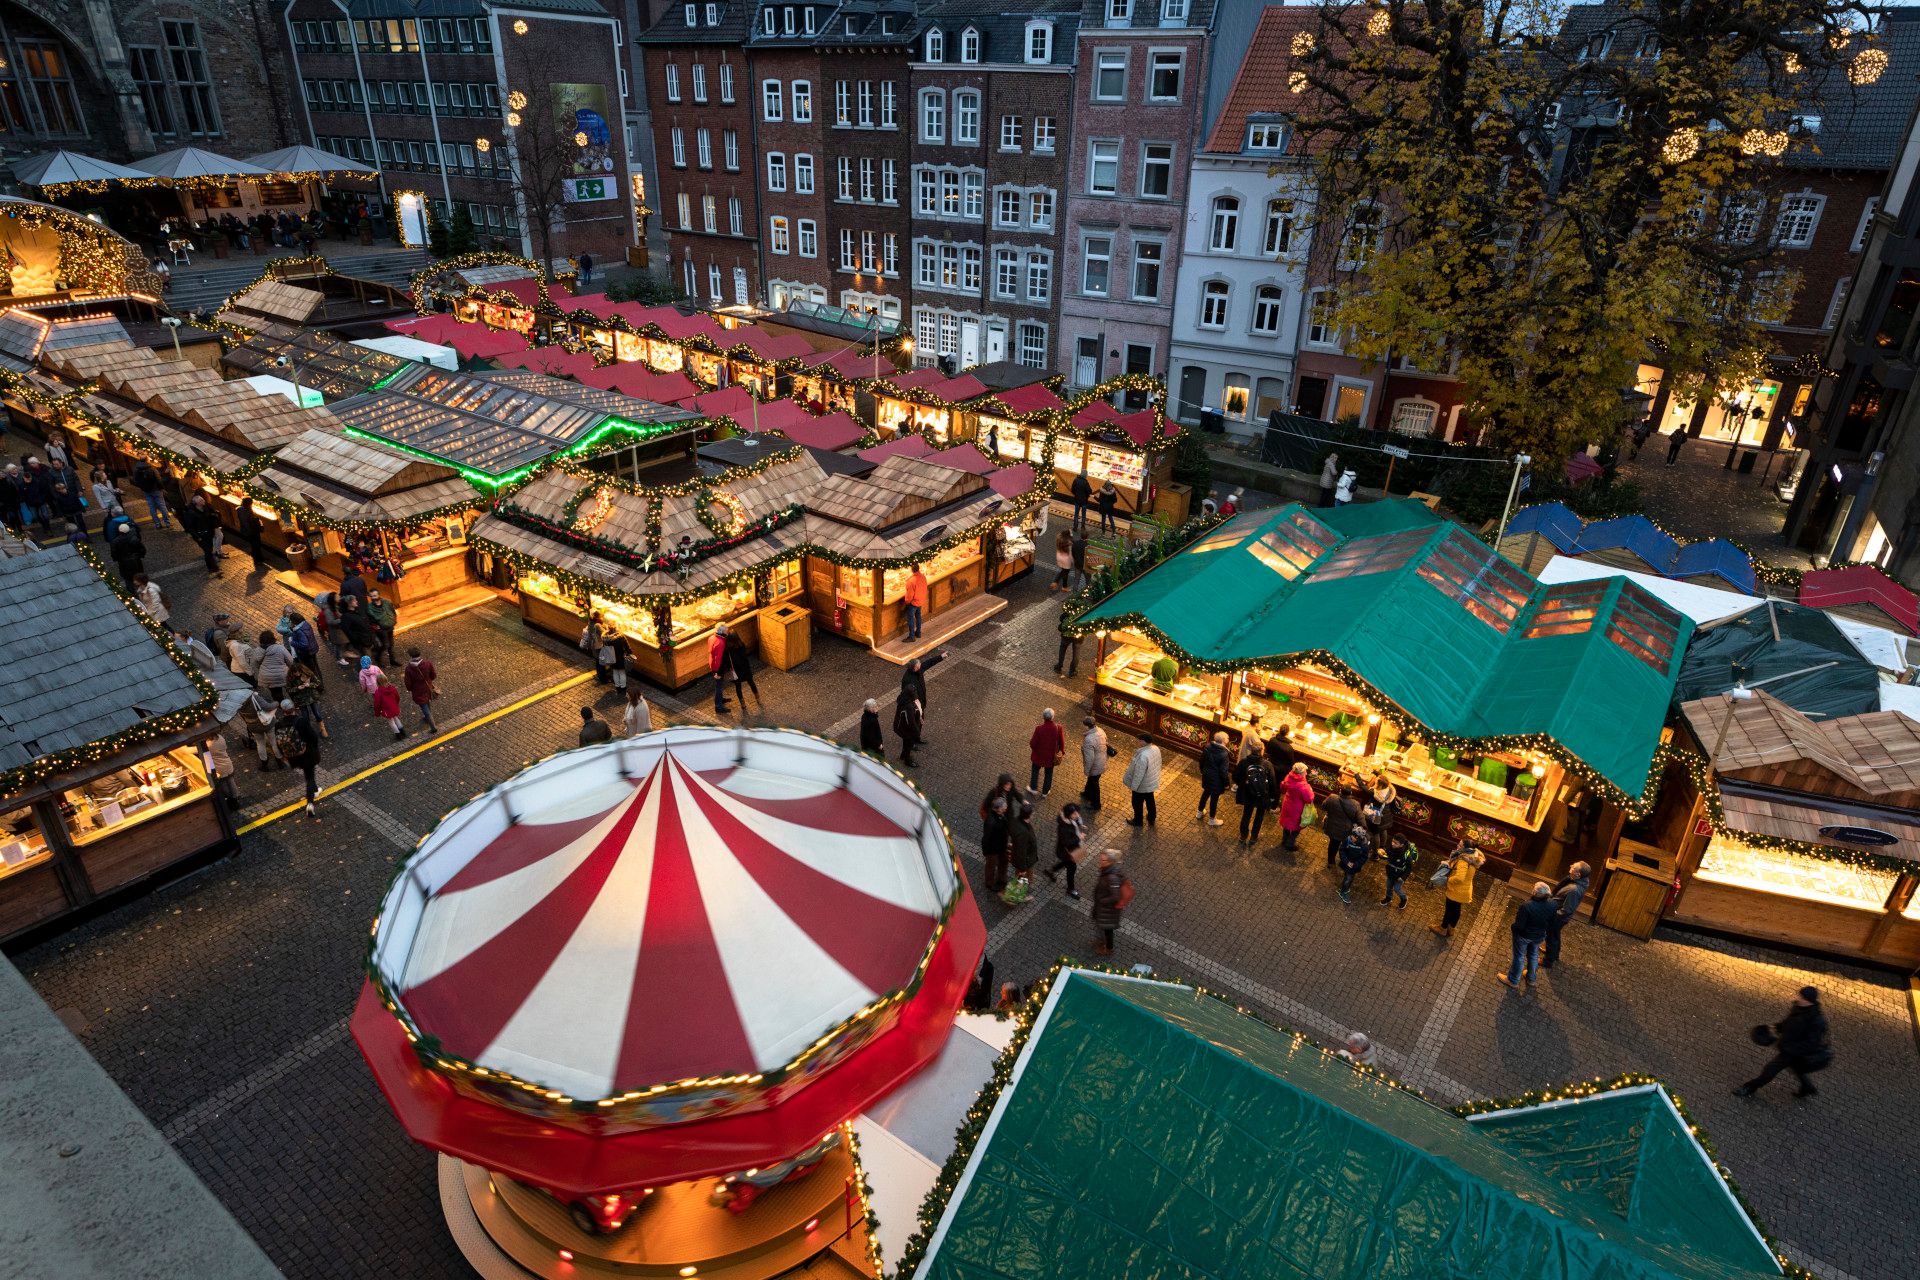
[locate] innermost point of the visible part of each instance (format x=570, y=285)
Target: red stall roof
x=963, y=457
x=552, y=360
x=631, y=378
x=908, y=446
x=827, y=431
x=435, y=328
x=478, y=342
x=1037, y=398
x=1861, y=584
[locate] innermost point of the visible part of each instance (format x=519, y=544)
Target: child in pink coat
x=386, y=703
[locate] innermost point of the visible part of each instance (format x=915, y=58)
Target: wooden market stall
x=924, y=401
x=1133, y=450
x=323, y=366
x=1522, y=717
x=102, y=784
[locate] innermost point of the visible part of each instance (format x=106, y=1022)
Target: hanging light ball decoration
x=580, y=138
x=482, y=145
x=1761, y=142
x=1303, y=43
x=1297, y=82
x=517, y=100
x=1793, y=64
x=513, y=119
x=520, y=26
x=1379, y=23
x=1681, y=146
x=1868, y=67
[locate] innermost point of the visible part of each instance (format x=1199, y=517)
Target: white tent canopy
x=53, y=168
x=300, y=159
x=197, y=162
x=413, y=349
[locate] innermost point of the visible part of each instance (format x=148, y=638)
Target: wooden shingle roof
x=1872, y=757
x=360, y=466
x=275, y=300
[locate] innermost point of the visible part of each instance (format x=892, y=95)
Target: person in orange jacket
x=916, y=597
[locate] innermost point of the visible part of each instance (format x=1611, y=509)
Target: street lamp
x=287, y=362
x=173, y=326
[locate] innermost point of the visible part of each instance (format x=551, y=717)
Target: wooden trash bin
x=1639, y=877
x=786, y=636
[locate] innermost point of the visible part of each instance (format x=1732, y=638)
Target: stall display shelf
x=1797, y=876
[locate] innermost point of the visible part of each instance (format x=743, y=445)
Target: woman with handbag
x=1069, y=846
x=421, y=681
x=1296, y=801
x=1456, y=873
x=1799, y=1043
x=1112, y=894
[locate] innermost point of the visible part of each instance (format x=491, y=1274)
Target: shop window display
x=21, y=844
x=125, y=797
x=1795, y=875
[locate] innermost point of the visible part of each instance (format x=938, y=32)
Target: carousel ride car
x=636, y=994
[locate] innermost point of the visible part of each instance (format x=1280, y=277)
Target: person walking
x=1329, y=476
x=740, y=660
x=1296, y=793
x=1460, y=866
x=1068, y=655
x=1107, y=499
x=1069, y=846
x=129, y=554
x=303, y=642
x=148, y=482
x=1255, y=793
x=1674, y=443
x=586, y=268
x=151, y=599
x=1077, y=550
x=593, y=729
x=386, y=704
x=1112, y=895
x=1023, y=848
x=913, y=681
x=421, y=680
x=251, y=533
x=1094, y=754
x=200, y=524
x=1529, y=935
x=717, y=663
x=298, y=744
x=637, y=717
x=1399, y=856
x=915, y=597
x=1142, y=779
x=271, y=664
x=1339, y=815
x=1082, y=491
x=907, y=719
x=383, y=618
x=610, y=660
x=105, y=496
x=1355, y=851
x=593, y=642
x=1343, y=489
x=1568, y=893
x=368, y=676
x=1046, y=747
x=871, y=740
x=1216, y=775
x=994, y=838
x=1800, y=1045
x=355, y=624
x=1062, y=562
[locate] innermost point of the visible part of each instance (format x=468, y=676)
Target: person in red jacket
x=386, y=704
x=1046, y=748
x=720, y=664
x=420, y=678
x=916, y=601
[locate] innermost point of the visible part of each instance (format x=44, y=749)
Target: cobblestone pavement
x=1700, y=497
x=219, y=1003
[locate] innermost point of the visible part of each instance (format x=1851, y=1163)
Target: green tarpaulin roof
x=1429, y=616
x=1152, y=1133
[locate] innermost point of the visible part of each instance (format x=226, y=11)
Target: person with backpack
x=304, y=643
x=1399, y=856
x=299, y=745
x=1568, y=893
x=304, y=690
x=1456, y=874
x=1255, y=793
x=1296, y=797
x=1069, y=846
x=1339, y=814
x=1355, y=851
x=1800, y=1045
x=1112, y=895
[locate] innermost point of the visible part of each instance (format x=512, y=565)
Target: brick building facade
x=125, y=80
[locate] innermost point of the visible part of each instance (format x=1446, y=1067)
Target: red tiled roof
x=1861, y=584
x=1033, y=399
x=827, y=431
x=1261, y=84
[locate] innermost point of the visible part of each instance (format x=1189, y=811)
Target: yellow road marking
x=440, y=740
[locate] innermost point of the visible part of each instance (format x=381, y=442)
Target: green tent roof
x=1429, y=616
x=1150, y=1132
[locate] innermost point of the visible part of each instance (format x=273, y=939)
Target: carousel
x=636, y=996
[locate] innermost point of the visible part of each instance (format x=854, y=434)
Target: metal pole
x=1520, y=460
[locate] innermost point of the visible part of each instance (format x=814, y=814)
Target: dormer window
x=853, y=26
x=936, y=45
x=1119, y=13
x=1266, y=136
x=713, y=15
x=1039, y=42
x=1804, y=124
x=693, y=15
x=767, y=21
x=806, y=19
x=1596, y=46
x=1173, y=13
x=886, y=24
x=786, y=21
x=1649, y=50
x=969, y=45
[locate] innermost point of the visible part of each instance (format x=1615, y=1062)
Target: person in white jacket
x=1142, y=778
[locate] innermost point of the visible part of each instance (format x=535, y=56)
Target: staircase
x=205, y=286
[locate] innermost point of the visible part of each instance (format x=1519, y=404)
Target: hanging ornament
x=1681, y=146
x=1868, y=67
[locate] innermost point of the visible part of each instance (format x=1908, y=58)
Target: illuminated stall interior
x=927, y=402
x=1816, y=842
x=1386, y=639
x=1132, y=450
x=54, y=252
x=101, y=781
x=1013, y=424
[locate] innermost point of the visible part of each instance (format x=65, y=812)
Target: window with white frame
x=778, y=230
x=1365, y=228
x=803, y=173
x=866, y=179
x=1173, y=13
x=1740, y=217
x=1797, y=220
x=1148, y=255
x=1039, y=275
x=803, y=101
x=786, y=20
x=1110, y=75
x=1039, y=46
x=1040, y=210
x=891, y=263
x=948, y=266
x=866, y=103
x=1009, y=133
x=849, y=256
x=730, y=148
x=1096, y=265
x=679, y=139
x=842, y=103
x=1103, y=168
x=869, y=251
x=1279, y=232
x=735, y=223
x=691, y=281
x=1772, y=298
x=936, y=45
x=1322, y=307
x=726, y=84
x=776, y=171
x=703, y=147
x=1266, y=311
x=1865, y=225
x=1006, y=207
x=1119, y=12
x=1006, y=273
x=699, y=82
x=683, y=204
x=926, y=192
x=693, y=15
x=1043, y=134
x=889, y=182
x=966, y=118
x=1224, y=227
x=769, y=22
x=1030, y=344
x=1266, y=137
x=969, y=45
x=771, y=100
x=889, y=106
x=1837, y=305
x=1214, y=297
x=1156, y=170
x=844, y=177
x=1166, y=69
x=1413, y=417
x=806, y=20
x=673, y=82
x=933, y=116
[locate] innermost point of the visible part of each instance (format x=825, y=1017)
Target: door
x=969, y=343
x=1086, y=362
x=1311, y=400
x=1193, y=393
x=1139, y=360
x=996, y=343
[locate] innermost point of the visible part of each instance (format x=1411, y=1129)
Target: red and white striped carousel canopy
x=690, y=904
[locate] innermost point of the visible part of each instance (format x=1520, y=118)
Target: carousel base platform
x=508, y=1231
x=940, y=628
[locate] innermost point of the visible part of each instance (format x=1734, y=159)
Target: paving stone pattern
x=218, y=1002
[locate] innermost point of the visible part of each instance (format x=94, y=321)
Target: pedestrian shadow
x=1530, y=1041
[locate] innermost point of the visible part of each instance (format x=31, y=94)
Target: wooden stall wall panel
x=147, y=847
x=28, y=898
x=1776, y=917
x=1631, y=904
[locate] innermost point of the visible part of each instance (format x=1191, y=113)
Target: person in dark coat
x=1355, y=851
x=1800, y=1045
x=1399, y=855
x=593, y=729
x=1082, y=490
x=1023, y=848
x=353, y=586
x=1254, y=792
x=200, y=523
x=1567, y=896
x=250, y=533
x=1107, y=500
x=995, y=844
x=740, y=658
x=356, y=624
x=129, y=554
x=1338, y=816
x=1216, y=775
x=1529, y=933
x=68, y=508
x=913, y=684
x=299, y=745
x=1046, y=747
x=148, y=482
x=906, y=723
x=1069, y=845
x=1279, y=751
x=1111, y=894
x=871, y=740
